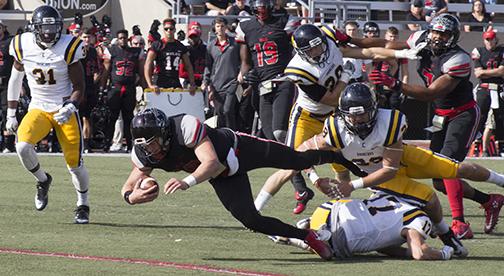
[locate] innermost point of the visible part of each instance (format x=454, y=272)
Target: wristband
x=126, y=197
x=313, y=176
x=11, y=112
x=190, y=180
x=357, y=183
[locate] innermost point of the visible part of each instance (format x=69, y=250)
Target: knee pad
x=280, y=135
x=27, y=155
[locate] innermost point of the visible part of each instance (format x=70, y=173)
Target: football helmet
x=47, y=25
x=151, y=131
x=371, y=27
x=358, y=107
x=262, y=9
x=445, y=23
x=310, y=43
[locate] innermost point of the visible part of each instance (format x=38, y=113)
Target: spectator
x=221, y=72
x=217, y=7
x=74, y=29
x=168, y=54
x=239, y=8
x=91, y=77
x=137, y=41
x=434, y=8
x=6, y=61
x=197, y=52
x=416, y=14
x=4, y=4
x=489, y=69
x=478, y=15
x=124, y=63
x=352, y=30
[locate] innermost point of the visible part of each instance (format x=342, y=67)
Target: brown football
x=148, y=182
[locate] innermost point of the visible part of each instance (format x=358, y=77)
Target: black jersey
x=187, y=131
x=454, y=62
x=124, y=64
x=168, y=58
x=489, y=60
x=268, y=44
x=6, y=59
x=90, y=65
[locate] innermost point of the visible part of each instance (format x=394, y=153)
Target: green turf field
x=186, y=228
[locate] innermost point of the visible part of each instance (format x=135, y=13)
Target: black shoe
x=449, y=239
x=82, y=214
x=42, y=197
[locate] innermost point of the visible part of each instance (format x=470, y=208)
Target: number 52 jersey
x=47, y=69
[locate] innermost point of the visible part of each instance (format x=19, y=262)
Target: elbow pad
x=15, y=85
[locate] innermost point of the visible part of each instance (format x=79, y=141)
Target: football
x=148, y=182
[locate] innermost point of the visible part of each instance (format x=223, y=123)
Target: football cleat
x=319, y=246
x=451, y=240
x=462, y=230
x=492, y=210
x=42, y=197
x=82, y=214
x=302, y=200
x=304, y=223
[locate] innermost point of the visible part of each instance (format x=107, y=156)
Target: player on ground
x=380, y=224
x=318, y=71
x=221, y=156
x=56, y=80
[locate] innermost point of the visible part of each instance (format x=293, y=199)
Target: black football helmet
x=262, y=9
x=371, y=27
x=357, y=99
x=47, y=25
x=445, y=23
x=149, y=126
x=307, y=37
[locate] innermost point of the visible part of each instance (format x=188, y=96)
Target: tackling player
x=56, y=80
x=317, y=70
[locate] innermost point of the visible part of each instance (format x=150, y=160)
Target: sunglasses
x=169, y=29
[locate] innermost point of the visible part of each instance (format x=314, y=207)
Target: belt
x=454, y=111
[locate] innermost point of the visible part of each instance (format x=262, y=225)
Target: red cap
x=74, y=27
x=489, y=35
x=195, y=32
x=194, y=23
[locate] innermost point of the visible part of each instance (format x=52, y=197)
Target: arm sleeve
x=458, y=66
x=193, y=130
x=314, y=91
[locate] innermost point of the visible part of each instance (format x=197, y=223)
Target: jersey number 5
x=42, y=76
x=267, y=52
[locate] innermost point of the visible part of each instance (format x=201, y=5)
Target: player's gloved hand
x=342, y=38
x=64, y=114
x=380, y=78
x=348, y=71
x=340, y=159
x=411, y=53
x=12, y=124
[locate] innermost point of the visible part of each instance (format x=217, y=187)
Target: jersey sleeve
x=458, y=65
x=329, y=32
x=300, y=76
x=414, y=38
x=193, y=131
x=16, y=48
x=331, y=133
x=240, y=35
x=475, y=56
x=74, y=51
x=397, y=127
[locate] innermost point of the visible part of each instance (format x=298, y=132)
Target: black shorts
x=457, y=135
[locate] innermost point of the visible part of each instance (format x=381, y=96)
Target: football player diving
x=50, y=61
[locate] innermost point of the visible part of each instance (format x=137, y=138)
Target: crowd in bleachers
x=164, y=59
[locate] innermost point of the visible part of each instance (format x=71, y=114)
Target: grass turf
x=189, y=227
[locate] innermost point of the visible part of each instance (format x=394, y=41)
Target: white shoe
x=6, y=150
x=115, y=147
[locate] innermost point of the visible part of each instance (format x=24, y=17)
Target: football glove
x=342, y=38
x=347, y=73
x=64, y=114
x=381, y=78
x=12, y=124
x=411, y=53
